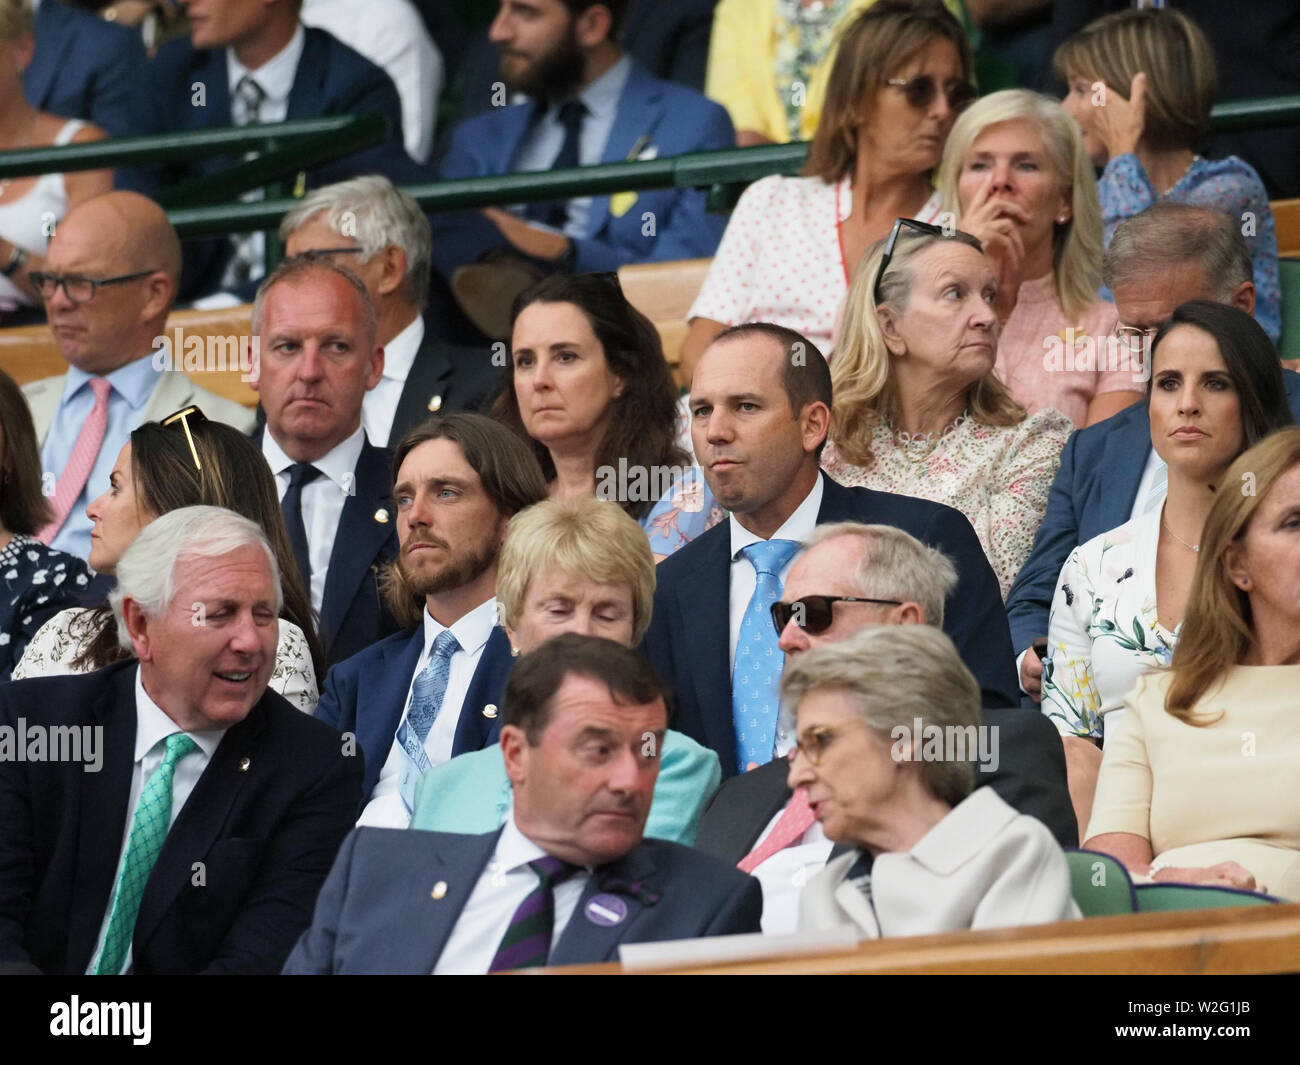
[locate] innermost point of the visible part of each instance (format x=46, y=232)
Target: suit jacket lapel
x=514, y=123
x=306, y=98
x=104, y=797
x=381, y=696
x=586, y=941
x=43, y=400
x=172, y=392
x=1123, y=463
x=201, y=819
x=703, y=601
x=427, y=923
x=480, y=713
x=640, y=110
x=56, y=43
x=428, y=378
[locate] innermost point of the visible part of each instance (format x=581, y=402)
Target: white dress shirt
x=385, y=808
x=1153, y=473
x=322, y=499
x=504, y=883
x=785, y=873
x=380, y=404
x=391, y=34
x=152, y=728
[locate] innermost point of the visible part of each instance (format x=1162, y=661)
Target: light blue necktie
x=758, y=659
x=426, y=699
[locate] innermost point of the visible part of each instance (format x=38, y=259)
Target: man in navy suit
x=590, y=104
x=177, y=816
x=433, y=690
x=83, y=67
x=1109, y=473
x=759, y=418
x=568, y=877
x=247, y=62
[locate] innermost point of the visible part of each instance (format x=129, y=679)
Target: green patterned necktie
x=153, y=816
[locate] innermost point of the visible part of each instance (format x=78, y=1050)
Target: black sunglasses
x=919, y=227
x=921, y=90
x=182, y=418
x=813, y=613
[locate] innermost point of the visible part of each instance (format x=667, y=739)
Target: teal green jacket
x=471, y=794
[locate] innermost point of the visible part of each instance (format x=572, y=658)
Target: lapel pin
x=439, y=890
x=435, y=403
x=490, y=711
x=381, y=516
x=606, y=910
x=244, y=763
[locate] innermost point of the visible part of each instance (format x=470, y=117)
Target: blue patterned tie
x=758, y=658
x=426, y=699
x=153, y=817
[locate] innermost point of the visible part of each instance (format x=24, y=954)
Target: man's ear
x=1243, y=297
x=514, y=750
x=393, y=272
x=594, y=26
x=137, y=626
x=375, y=368
x=159, y=290
x=908, y=614
x=814, y=424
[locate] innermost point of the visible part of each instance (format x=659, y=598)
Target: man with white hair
x=377, y=231
x=169, y=813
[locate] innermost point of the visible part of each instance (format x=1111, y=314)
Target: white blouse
x=780, y=259
x=1103, y=634
x=54, y=647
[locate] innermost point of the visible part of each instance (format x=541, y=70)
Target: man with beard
x=317, y=358
x=433, y=691
x=589, y=104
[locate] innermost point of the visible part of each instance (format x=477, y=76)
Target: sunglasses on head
x=813, y=613
x=916, y=226
x=182, y=418
x=921, y=90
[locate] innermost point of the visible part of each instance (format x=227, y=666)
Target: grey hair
x=146, y=572
x=1169, y=234
x=375, y=213
x=896, y=565
x=300, y=266
x=897, y=675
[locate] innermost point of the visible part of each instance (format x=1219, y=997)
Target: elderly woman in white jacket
x=888, y=723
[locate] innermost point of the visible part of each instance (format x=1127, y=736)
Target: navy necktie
x=555, y=213
x=300, y=473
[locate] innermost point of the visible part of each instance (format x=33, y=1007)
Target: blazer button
x=490, y=711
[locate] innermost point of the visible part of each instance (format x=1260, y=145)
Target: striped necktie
x=527, y=942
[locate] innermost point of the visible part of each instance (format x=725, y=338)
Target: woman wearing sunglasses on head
x=902, y=72
x=35, y=580
x=182, y=461
x=918, y=409
x=1017, y=177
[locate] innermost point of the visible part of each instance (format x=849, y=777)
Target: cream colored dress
x=1227, y=791
x=54, y=647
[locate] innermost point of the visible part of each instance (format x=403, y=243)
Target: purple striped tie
x=527, y=942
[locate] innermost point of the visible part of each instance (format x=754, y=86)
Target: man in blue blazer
x=169, y=814
x=759, y=420
x=83, y=67
x=1167, y=255
x=433, y=691
x=568, y=877
x=591, y=104
x=293, y=72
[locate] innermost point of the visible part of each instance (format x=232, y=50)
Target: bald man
x=109, y=280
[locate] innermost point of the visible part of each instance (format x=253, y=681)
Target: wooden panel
x=1286, y=216
x=28, y=353
x=1265, y=939
x=664, y=292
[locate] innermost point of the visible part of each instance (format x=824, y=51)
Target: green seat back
x=1160, y=898
x=1289, y=276
x=1100, y=884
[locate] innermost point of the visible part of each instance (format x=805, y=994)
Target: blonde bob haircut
x=1076, y=244
x=1170, y=49
x=582, y=538
x=1218, y=630
x=862, y=370
x=870, y=50
x=16, y=19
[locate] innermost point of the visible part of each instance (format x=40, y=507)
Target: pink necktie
x=795, y=820
x=68, y=488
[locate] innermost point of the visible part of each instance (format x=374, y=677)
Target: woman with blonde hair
x=1015, y=175
x=917, y=407
x=1141, y=86
x=1198, y=782
x=570, y=565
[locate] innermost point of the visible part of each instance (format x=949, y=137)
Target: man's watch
x=16, y=259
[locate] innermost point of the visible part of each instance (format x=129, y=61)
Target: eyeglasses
x=921, y=90
x=814, y=744
x=182, y=418
x=1132, y=337
x=813, y=613
x=919, y=227
x=322, y=252
x=78, y=289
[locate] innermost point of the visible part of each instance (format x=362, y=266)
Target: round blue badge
x=606, y=910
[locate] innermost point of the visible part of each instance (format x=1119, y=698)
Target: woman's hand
x=997, y=223
x=1225, y=874
x=1120, y=123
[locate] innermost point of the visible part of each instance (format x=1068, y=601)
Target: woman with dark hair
x=592, y=394
x=183, y=460
x=1216, y=389
x=1198, y=783
x=901, y=73
x=35, y=580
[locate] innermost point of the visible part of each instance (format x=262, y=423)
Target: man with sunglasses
x=850, y=577
x=109, y=281
x=760, y=409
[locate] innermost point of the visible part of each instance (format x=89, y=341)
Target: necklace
x=917, y=447
x=1165, y=525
